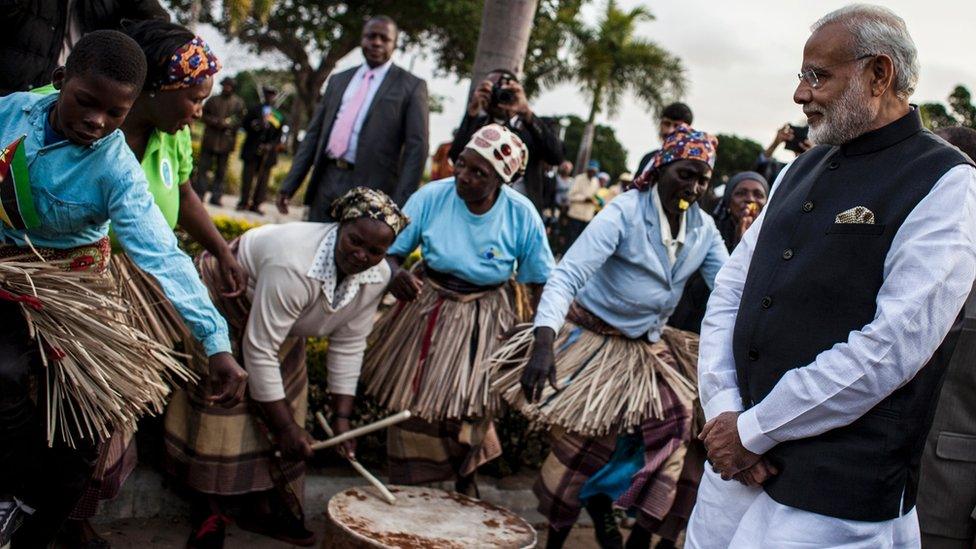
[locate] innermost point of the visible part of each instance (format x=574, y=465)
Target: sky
x=741, y=60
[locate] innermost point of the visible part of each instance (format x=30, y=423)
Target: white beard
x=847, y=118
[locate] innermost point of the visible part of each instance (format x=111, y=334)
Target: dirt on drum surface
x=425, y=518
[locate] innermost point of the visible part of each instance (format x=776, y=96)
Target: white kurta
x=928, y=273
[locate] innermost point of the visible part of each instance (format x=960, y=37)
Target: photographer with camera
x=500, y=99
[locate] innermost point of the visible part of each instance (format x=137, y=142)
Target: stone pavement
x=172, y=533
x=269, y=213
x=148, y=514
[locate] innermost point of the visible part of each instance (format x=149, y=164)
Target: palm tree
x=609, y=60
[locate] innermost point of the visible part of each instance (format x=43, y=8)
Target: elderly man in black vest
x=829, y=330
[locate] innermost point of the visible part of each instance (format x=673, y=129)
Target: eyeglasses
x=810, y=75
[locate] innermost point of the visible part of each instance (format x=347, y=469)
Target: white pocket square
x=857, y=214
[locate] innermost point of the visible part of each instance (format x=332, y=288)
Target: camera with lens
x=500, y=95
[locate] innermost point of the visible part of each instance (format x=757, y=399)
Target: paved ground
x=171, y=533
x=269, y=211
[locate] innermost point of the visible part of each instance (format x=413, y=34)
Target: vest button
x=753, y=355
x=766, y=302
x=788, y=254
x=833, y=166
x=808, y=206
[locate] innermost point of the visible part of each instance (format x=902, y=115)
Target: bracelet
x=341, y=416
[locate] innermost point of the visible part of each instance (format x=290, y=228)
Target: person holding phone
x=795, y=139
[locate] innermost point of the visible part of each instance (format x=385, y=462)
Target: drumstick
x=387, y=495
x=365, y=429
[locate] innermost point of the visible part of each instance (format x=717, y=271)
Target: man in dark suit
x=947, y=482
x=369, y=129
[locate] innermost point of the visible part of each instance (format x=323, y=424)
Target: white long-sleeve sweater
x=292, y=295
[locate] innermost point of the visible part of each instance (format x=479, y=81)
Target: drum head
x=422, y=517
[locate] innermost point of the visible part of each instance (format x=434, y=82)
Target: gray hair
x=877, y=30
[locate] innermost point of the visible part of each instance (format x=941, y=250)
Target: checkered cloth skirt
x=152, y=312
x=117, y=458
x=227, y=451
x=664, y=489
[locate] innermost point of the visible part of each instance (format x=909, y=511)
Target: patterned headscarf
x=500, y=146
x=189, y=65
x=366, y=202
x=684, y=143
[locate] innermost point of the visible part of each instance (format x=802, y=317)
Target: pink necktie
x=342, y=129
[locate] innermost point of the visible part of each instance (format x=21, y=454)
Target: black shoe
x=209, y=534
x=12, y=515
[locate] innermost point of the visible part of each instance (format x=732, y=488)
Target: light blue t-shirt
x=481, y=249
x=78, y=189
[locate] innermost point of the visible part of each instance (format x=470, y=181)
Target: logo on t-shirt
x=490, y=253
x=166, y=173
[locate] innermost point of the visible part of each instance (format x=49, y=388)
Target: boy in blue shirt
x=83, y=175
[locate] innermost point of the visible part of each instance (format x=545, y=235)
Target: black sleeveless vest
x=811, y=282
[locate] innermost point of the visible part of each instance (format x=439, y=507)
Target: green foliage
x=735, y=154
x=961, y=102
x=249, y=84
x=606, y=149
x=609, y=60
x=315, y=34
x=936, y=115
x=229, y=227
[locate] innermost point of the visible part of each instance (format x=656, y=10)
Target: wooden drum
x=421, y=518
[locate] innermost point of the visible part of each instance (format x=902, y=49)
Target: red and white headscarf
x=503, y=148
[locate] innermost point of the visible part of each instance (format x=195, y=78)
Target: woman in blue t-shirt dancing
x=428, y=353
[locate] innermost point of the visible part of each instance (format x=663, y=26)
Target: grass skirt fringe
x=607, y=383
x=430, y=356
x=101, y=372
x=151, y=311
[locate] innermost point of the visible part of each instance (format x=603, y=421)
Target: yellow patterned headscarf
x=189, y=65
x=366, y=202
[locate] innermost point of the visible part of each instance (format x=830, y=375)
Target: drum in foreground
x=421, y=518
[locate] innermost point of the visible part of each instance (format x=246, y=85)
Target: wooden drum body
x=425, y=518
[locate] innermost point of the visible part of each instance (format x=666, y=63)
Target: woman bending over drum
x=304, y=280
x=428, y=353
x=621, y=421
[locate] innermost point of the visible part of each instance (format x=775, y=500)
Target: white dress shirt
x=379, y=74
x=928, y=273
x=672, y=244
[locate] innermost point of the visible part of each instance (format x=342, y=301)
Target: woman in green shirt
x=179, y=79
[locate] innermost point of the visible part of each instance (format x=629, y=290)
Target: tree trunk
x=504, y=37
x=194, y=18
x=589, y=131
